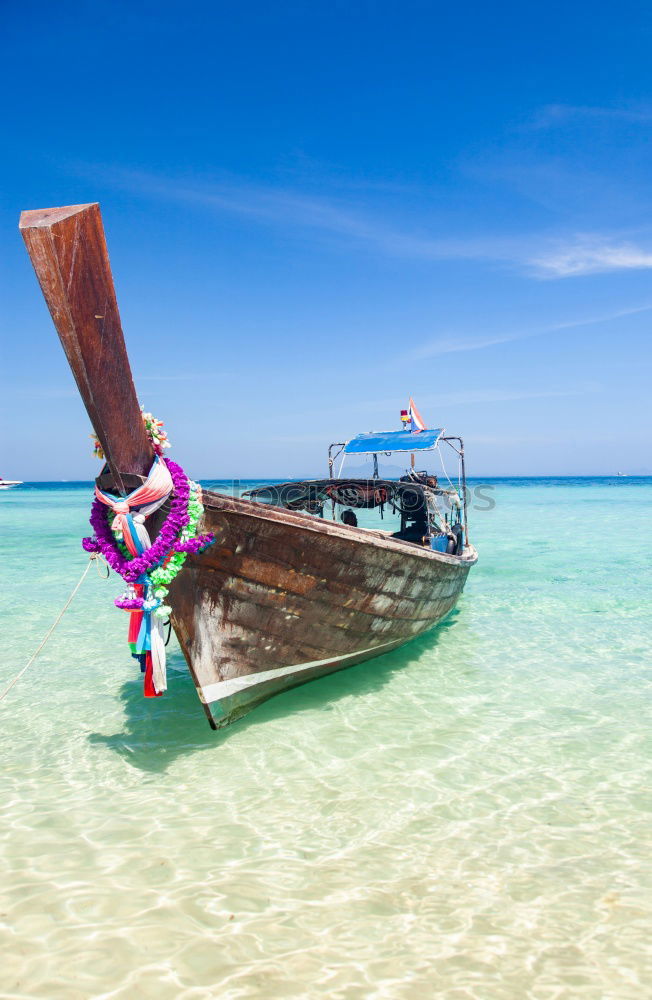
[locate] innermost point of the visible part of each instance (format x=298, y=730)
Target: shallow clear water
x=469, y=817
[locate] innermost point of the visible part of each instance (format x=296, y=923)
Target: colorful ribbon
x=145, y=631
x=148, y=498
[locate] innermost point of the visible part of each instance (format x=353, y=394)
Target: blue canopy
x=380, y=441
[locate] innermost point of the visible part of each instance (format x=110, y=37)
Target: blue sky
x=317, y=209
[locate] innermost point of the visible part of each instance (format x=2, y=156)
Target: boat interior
x=424, y=512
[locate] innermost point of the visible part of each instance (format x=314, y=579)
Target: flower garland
x=177, y=538
x=148, y=575
x=153, y=429
x=155, y=432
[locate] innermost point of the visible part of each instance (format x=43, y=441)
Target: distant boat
x=624, y=474
x=8, y=484
x=285, y=595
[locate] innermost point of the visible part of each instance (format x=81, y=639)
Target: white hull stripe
x=223, y=689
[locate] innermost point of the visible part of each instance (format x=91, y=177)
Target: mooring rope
x=93, y=558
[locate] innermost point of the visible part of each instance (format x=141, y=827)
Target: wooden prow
x=68, y=250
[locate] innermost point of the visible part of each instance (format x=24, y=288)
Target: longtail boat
x=287, y=592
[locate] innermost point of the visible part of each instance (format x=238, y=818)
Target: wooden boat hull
x=282, y=598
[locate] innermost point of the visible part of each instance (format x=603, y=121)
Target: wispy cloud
x=182, y=377
x=488, y=396
x=484, y=397
x=554, y=115
x=454, y=342
x=538, y=256
x=293, y=209
x=38, y=390
x=590, y=255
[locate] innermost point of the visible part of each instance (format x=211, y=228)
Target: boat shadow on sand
x=158, y=731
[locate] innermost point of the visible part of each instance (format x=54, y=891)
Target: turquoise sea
x=469, y=818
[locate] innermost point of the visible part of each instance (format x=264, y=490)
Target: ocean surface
x=469, y=818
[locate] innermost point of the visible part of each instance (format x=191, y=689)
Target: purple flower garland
x=132, y=569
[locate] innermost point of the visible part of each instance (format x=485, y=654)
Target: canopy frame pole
x=331, y=461
x=460, y=452
x=332, y=457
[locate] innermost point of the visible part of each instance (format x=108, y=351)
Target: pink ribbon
x=153, y=492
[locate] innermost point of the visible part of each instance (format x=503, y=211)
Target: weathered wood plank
x=69, y=254
x=278, y=591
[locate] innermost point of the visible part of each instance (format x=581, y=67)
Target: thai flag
x=416, y=419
